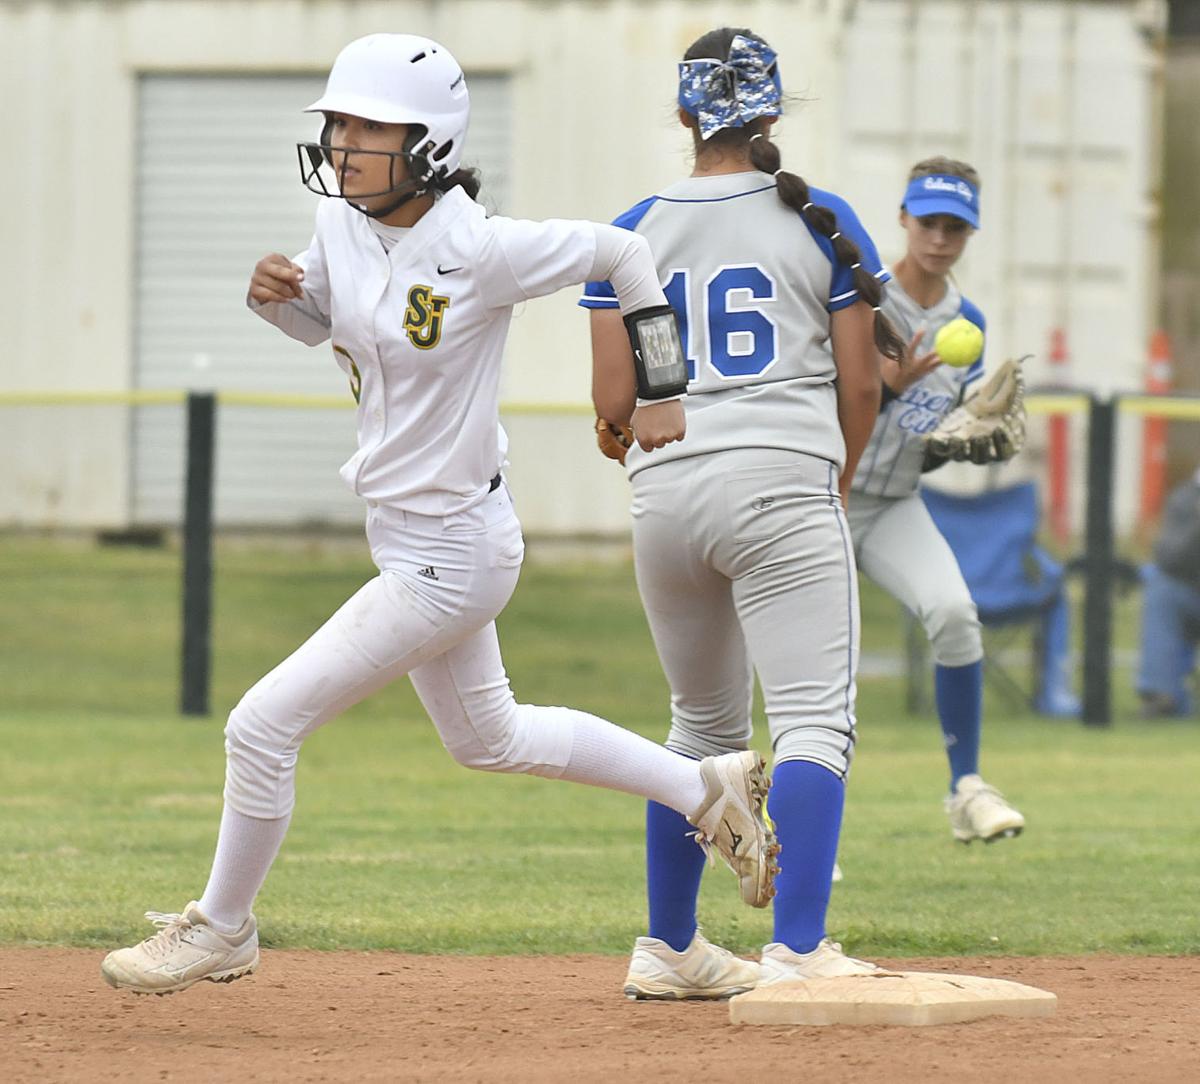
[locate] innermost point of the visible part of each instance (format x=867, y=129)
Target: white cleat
x=733, y=822
x=837, y=873
x=185, y=950
x=701, y=972
x=826, y=961
x=979, y=811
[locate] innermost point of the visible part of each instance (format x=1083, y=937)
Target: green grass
x=109, y=801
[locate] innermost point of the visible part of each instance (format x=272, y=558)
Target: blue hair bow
x=728, y=93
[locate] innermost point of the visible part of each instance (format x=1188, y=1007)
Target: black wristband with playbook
x=657, y=352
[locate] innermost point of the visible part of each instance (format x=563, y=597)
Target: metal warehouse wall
x=1181, y=237
x=1056, y=103
x=199, y=230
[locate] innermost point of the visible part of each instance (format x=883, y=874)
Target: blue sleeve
x=598, y=295
x=970, y=311
x=842, y=291
x=601, y=295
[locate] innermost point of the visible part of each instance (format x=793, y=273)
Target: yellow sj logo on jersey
x=423, y=317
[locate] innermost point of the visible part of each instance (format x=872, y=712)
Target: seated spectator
x=1171, y=608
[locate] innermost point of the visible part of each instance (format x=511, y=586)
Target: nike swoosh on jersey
x=447, y=270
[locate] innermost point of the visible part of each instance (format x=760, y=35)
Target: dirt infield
x=308, y=1016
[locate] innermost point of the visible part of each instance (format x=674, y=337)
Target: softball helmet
x=398, y=79
x=403, y=79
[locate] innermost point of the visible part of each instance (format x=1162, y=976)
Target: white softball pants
x=429, y=614
x=745, y=565
x=900, y=548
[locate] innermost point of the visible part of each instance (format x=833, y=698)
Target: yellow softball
x=959, y=343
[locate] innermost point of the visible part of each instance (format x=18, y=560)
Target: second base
x=909, y=998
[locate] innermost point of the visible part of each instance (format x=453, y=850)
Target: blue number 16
x=742, y=338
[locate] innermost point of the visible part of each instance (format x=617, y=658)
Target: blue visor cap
x=943, y=194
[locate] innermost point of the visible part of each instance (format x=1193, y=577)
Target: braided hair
x=793, y=190
x=764, y=155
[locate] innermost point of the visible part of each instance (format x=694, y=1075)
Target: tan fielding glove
x=613, y=440
x=988, y=428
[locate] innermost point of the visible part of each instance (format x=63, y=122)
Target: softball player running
x=414, y=287
x=742, y=551
x=896, y=542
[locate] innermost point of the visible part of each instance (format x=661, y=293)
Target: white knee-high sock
x=606, y=755
x=246, y=847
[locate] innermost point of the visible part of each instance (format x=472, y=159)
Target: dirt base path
x=308, y=1016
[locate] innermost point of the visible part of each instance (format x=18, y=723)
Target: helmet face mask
x=408, y=173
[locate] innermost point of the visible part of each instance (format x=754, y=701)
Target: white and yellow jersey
x=420, y=332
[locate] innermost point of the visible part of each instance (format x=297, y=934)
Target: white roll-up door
x=218, y=188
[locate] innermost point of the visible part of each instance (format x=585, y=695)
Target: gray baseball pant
x=745, y=564
x=899, y=547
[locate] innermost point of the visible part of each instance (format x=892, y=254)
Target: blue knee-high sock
x=806, y=805
x=959, y=692
x=674, y=865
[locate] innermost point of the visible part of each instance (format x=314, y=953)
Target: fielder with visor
x=927, y=419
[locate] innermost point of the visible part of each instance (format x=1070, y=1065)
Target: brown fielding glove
x=613, y=440
x=989, y=427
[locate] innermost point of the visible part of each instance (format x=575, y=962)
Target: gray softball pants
x=744, y=563
x=899, y=547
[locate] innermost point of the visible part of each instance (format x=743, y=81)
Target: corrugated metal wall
x=1056, y=105
x=1181, y=241
x=218, y=188
x=1054, y=101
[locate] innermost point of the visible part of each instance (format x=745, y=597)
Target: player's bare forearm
x=614, y=386
x=857, y=410
x=858, y=381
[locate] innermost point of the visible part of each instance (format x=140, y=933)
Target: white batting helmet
x=403, y=79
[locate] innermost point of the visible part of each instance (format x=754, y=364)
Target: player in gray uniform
x=742, y=551
x=895, y=539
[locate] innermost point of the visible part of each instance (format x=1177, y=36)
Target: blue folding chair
x=1014, y=583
